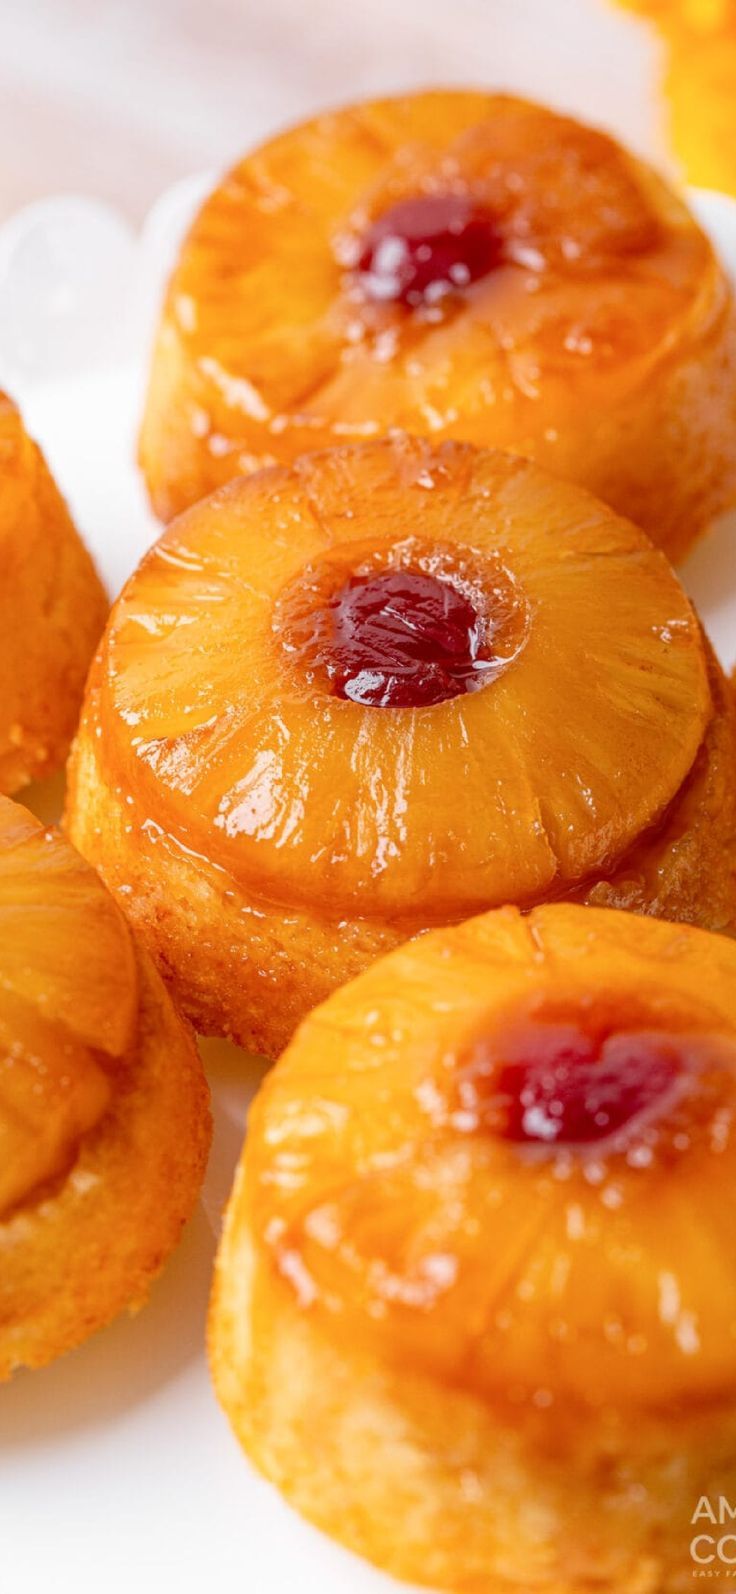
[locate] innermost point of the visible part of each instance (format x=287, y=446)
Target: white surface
x=117, y=1471
x=118, y=98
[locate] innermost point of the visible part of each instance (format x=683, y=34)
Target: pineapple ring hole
x=405, y=627
x=598, y=1075
x=503, y=194
x=425, y=247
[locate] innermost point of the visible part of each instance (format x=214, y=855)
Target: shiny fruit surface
x=398, y=638
x=458, y=265
x=223, y=723
x=422, y=1183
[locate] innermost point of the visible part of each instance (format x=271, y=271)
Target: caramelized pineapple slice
x=224, y=729
x=460, y=265
x=65, y=949
x=505, y=1157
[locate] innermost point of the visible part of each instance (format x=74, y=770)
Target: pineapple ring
x=601, y=341
x=501, y=1345
x=104, y=1122
x=52, y=611
x=253, y=817
x=213, y=729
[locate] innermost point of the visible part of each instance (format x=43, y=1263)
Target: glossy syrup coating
x=453, y=1035
x=104, y=1120
x=471, y=266
x=278, y=835
x=398, y=638
x=532, y=1337
x=210, y=711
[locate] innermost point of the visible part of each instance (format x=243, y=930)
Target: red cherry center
x=569, y=1089
x=402, y=638
x=424, y=248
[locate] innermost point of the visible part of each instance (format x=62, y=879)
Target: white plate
x=117, y=1471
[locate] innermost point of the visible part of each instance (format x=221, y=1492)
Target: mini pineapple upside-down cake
x=382, y=690
x=104, y=1115
x=52, y=611
x=474, y=1311
x=460, y=265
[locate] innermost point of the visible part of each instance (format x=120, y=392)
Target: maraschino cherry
x=402, y=638
x=424, y=248
x=566, y=1088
